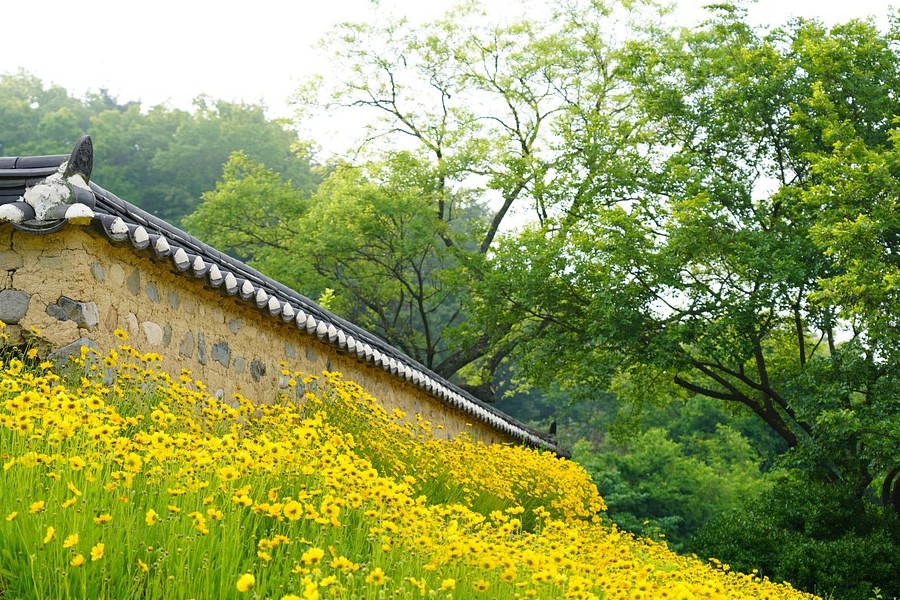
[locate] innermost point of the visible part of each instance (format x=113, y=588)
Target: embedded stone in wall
x=221, y=353
x=13, y=305
x=132, y=321
x=10, y=260
x=167, y=335
x=257, y=369
x=310, y=355
x=117, y=274
x=84, y=314
x=217, y=316
x=187, y=345
x=110, y=318
x=189, y=305
x=51, y=261
x=153, y=332
x=240, y=364
x=133, y=283
x=61, y=355
x=98, y=272
x=201, y=348
x=174, y=300
x=290, y=350
x=152, y=292
x=235, y=325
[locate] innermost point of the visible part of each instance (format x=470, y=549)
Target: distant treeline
x=159, y=158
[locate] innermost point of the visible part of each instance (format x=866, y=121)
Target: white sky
x=169, y=51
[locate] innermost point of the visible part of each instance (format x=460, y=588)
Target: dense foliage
x=142, y=485
x=819, y=536
x=160, y=159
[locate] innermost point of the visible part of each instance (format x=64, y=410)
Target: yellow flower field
x=122, y=481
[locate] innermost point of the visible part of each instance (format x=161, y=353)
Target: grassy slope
x=142, y=486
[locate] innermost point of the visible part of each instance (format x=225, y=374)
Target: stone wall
x=74, y=287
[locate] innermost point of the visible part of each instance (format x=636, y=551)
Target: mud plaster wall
x=225, y=342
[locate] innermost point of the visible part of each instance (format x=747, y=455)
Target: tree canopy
x=160, y=159
x=471, y=118
x=719, y=264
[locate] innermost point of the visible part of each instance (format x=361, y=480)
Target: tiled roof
x=41, y=194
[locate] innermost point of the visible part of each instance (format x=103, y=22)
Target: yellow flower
x=143, y=566
x=36, y=507
x=312, y=556
x=97, y=551
x=481, y=585
x=310, y=589
x=291, y=597
x=104, y=518
x=32, y=353
x=448, y=584
x=228, y=473
x=51, y=533
x=73, y=489
x=420, y=584
x=77, y=560
x=132, y=462
x=69, y=502
x=344, y=564
x=293, y=510
x=77, y=463
x=376, y=577
x=121, y=334
x=70, y=541
x=200, y=523
x=11, y=516
x=151, y=517
x=245, y=582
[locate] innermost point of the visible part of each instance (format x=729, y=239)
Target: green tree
x=35, y=119
x=481, y=106
x=192, y=161
x=126, y=140
x=705, y=271
x=750, y=254
x=160, y=159
x=372, y=234
x=254, y=214
x=813, y=534
x=655, y=485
